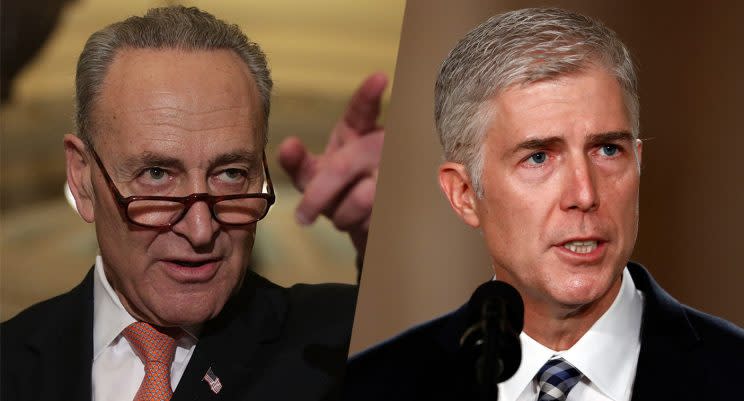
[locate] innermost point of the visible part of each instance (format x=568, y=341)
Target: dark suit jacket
x=268, y=343
x=685, y=355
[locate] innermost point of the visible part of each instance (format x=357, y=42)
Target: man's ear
x=79, y=177
x=639, y=151
x=456, y=185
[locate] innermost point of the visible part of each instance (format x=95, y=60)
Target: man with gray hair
x=537, y=112
x=169, y=163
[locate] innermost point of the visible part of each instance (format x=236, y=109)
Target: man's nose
x=580, y=187
x=198, y=226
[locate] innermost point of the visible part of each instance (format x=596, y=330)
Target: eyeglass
x=164, y=211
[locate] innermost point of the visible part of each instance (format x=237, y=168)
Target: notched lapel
x=63, y=345
x=230, y=344
x=667, y=365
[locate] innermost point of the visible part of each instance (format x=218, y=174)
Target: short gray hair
x=177, y=27
x=518, y=48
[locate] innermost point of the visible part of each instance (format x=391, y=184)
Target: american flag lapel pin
x=213, y=381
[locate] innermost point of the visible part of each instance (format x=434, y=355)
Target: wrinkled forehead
x=568, y=90
x=174, y=95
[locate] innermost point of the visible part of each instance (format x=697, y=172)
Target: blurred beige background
x=423, y=262
x=318, y=51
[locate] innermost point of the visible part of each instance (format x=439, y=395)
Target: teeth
x=581, y=246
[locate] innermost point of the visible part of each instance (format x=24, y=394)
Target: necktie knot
x=156, y=348
x=556, y=378
x=151, y=344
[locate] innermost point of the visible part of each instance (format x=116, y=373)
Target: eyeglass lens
x=230, y=211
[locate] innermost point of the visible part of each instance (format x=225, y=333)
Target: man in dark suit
x=169, y=163
x=537, y=111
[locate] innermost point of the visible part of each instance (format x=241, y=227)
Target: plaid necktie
x=556, y=378
x=156, y=350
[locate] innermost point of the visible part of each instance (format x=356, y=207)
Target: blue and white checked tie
x=556, y=378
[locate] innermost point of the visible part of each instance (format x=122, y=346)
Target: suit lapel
x=231, y=344
x=667, y=366
x=64, y=346
x=461, y=381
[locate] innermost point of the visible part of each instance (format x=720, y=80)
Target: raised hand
x=340, y=183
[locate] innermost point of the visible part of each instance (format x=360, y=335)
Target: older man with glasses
x=168, y=161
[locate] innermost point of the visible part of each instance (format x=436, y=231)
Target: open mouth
x=192, y=271
x=191, y=264
x=581, y=247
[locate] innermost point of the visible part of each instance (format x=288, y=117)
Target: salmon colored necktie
x=156, y=350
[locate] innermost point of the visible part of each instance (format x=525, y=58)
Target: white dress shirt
x=117, y=370
x=607, y=354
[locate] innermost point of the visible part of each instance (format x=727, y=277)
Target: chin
x=186, y=318
x=582, y=291
x=188, y=310
x=575, y=300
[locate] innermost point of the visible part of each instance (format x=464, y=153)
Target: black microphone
x=491, y=342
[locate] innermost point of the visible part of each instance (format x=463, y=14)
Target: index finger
x=340, y=171
x=297, y=162
x=364, y=106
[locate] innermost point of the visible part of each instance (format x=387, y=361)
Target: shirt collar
x=534, y=356
x=615, y=336
x=110, y=317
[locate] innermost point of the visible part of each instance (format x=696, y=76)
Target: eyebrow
x=248, y=157
x=612, y=136
x=537, y=144
x=151, y=159
x=148, y=158
x=594, y=139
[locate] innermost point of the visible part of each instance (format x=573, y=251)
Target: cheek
x=136, y=249
x=241, y=245
x=112, y=229
x=115, y=238
x=625, y=196
x=512, y=225
x=630, y=219
x=240, y=257
x=126, y=254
